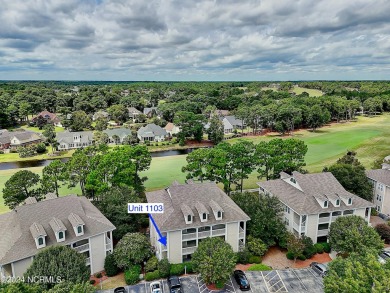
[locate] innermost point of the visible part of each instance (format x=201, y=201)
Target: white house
x=152, y=132
x=172, y=129
x=73, y=140
x=380, y=179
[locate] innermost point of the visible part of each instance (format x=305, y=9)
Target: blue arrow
x=162, y=240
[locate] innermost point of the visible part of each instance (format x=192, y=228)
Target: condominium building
x=193, y=212
x=71, y=220
x=380, y=179
x=313, y=201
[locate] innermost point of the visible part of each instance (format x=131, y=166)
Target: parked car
x=155, y=287
x=382, y=258
x=120, y=290
x=174, y=284
x=319, y=268
x=241, y=280
x=385, y=254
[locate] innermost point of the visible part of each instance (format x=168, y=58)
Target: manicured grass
x=14, y=157
x=311, y=92
x=259, y=267
x=36, y=129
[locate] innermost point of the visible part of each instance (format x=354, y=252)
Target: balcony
x=189, y=236
x=88, y=262
x=189, y=250
x=323, y=232
x=108, y=244
x=241, y=233
x=204, y=234
x=324, y=220
x=82, y=248
x=219, y=232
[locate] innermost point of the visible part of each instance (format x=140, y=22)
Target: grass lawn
x=311, y=92
x=36, y=129
x=370, y=137
x=14, y=157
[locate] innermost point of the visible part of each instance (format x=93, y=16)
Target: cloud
x=205, y=39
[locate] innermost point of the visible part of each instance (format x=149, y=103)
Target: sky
x=194, y=40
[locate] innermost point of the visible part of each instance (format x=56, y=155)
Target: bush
x=151, y=264
x=98, y=275
x=290, y=255
x=384, y=231
x=255, y=259
x=220, y=284
x=319, y=247
x=374, y=212
x=92, y=282
x=41, y=148
x=177, y=269
x=110, y=266
x=132, y=275
x=189, y=267
x=310, y=251
x=164, y=267
x=1, y=152
x=256, y=246
x=302, y=257
x=326, y=246
x=152, y=275
x=243, y=256
x=147, y=143
x=259, y=267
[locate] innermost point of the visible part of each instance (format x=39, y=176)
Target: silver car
x=319, y=268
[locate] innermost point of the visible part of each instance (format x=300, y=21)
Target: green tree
x=80, y=121
x=214, y=259
x=100, y=138
x=50, y=134
x=191, y=124
x=289, y=116
x=20, y=186
x=197, y=161
x=243, y=160
x=50, y=262
x=295, y=246
x=118, y=113
x=317, y=117
x=132, y=249
x=53, y=175
x=24, y=110
x=352, y=234
x=215, y=131
x=19, y=287
x=266, y=216
x=78, y=168
x=101, y=124
x=111, y=205
x=68, y=287
x=256, y=246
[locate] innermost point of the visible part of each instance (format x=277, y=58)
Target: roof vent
x=30, y=200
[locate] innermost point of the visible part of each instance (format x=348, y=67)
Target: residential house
x=380, y=179
x=118, y=133
x=74, y=140
x=230, y=123
x=100, y=114
x=24, y=138
x=5, y=140
x=133, y=113
x=71, y=220
x=49, y=117
x=171, y=129
x=150, y=112
x=313, y=201
x=152, y=132
x=193, y=212
x=221, y=113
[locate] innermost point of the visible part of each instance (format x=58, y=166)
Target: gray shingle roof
x=16, y=241
x=121, y=132
x=37, y=230
x=50, y=195
x=75, y=220
x=379, y=175
x=215, y=206
x=25, y=136
x=151, y=130
x=193, y=195
x=133, y=111
x=201, y=208
x=57, y=225
x=148, y=110
x=67, y=136
x=319, y=185
x=233, y=120
x=30, y=200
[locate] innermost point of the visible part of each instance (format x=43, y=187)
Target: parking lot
x=291, y=280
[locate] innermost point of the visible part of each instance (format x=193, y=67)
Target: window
x=325, y=204
x=324, y=215
x=336, y=214
x=377, y=197
x=189, y=218
x=40, y=241
x=293, y=180
x=287, y=209
x=204, y=216
x=323, y=226
x=349, y=200
x=79, y=229
x=337, y=202
x=348, y=212
x=219, y=214
x=60, y=235
x=286, y=222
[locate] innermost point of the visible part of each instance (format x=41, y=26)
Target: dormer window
x=77, y=224
x=337, y=202
x=187, y=213
x=58, y=229
x=61, y=235
x=325, y=204
x=219, y=214
x=217, y=210
x=349, y=201
x=189, y=218
x=204, y=217
x=41, y=241
x=39, y=235
x=293, y=180
x=79, y=229
x=202, y=210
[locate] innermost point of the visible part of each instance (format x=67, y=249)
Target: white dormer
x=347, y=199
x=337, y=203
x=39, y=235
x=322, y=200
x=203, y=212
x=290, y=180
x=217, y=210
x=58, y=229
x=349, y=202
x=77, y=224
x=187, y=213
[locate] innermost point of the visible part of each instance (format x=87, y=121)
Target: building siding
x=232, y=233
x=21, y=266
x=97, y=252
x=312, y=227
x=175, y=247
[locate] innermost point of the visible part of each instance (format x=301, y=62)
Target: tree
x=59, y=261
x=243, y=160
x=214, y=260
x=24, y=110
x=78, y=168
x=360, y=272
x=40, y=122
x=132, y=249
x=191, y=124
x=100, y=138
x=80, y=121
x=295, y=246
x=384, y=231
x=197, y=162
x=352, y=234
x=101, y=124
x=256, y=246
x=53, y=175
x=317, y=117
x=19, y=287
x=131, y=139
x=111, y=205
x=351, y=175
x=215, y=131
x=50, y=134
x=21, y=185
x=266, y=216
x=118, y=113
x=288, y=117
x=69, y=287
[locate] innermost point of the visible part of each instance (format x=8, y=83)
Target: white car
x=155, y=287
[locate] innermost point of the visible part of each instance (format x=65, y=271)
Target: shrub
x=310, y=251
x=220, y=284
x=319, y=247
x=256, y=246
x=98, y=275
x=132, y=275
x=177, y=269
x=151, y=264
x=384, y=231
x=255, y=259
x=259, y=267
x=290, y=255
x=164, y=267
x=147, y=142
x=243, y=256
x=92, y=282
x=41, y=148
x=326, y=246
x=374, y=212
x=152, y=275
x=1, y=152
x=302, y=257
x=188, y=267
x=110, y=266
